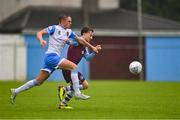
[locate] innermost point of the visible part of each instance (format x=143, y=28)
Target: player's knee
x=85, y=86
x=74, y=67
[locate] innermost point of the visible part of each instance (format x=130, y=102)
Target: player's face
x=89, y=36
x=67, y=22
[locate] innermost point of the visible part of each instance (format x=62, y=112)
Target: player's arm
x=85, y=43
x=49, y=30
x=82, y=41
x=89, y=56
x=40, y=36
x=72, y=42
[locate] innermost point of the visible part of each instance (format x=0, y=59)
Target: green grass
x=110, y=100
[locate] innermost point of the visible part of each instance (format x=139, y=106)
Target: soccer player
x=59, y=35
x=75, y=53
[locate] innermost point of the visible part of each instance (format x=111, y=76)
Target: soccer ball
x=135, y=67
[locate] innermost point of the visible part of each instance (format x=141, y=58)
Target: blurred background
x=147, y=31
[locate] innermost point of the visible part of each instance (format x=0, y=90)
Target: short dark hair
x=86, y=29
x=62, y=17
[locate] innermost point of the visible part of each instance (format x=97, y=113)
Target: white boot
x=81, y=96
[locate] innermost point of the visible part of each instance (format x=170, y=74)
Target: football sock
x=70, y=87
x=67, y=98
x=75, y=81
x=27, y=86
x=81, y=87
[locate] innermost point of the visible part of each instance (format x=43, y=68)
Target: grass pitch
x=110, y=100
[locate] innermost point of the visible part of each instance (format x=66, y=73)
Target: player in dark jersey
x=75, y=53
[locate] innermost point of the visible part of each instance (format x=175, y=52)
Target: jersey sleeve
x=72, y=39
x=89, y=56
x=72, y=42
x=72, y=35
x=51, y=29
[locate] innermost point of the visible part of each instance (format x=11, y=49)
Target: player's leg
x=68, y=65
x=34, y=82
x=43, y=75
x=83, y=84
x=64, y=103
x=62, y=89
x=51, y=61
x=70, y=93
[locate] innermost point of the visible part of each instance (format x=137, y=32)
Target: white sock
x=81, y=87
x=26, y=86
x=75, y=81
x=68, y=97
x=69, y=88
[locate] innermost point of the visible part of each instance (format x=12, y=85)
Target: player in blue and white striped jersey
x=59, y=35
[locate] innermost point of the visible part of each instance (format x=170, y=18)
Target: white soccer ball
x=135, y=67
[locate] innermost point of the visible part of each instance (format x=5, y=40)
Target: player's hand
x=43, y=42
x=95, y=49
x=66, y=40
x=98, y=47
